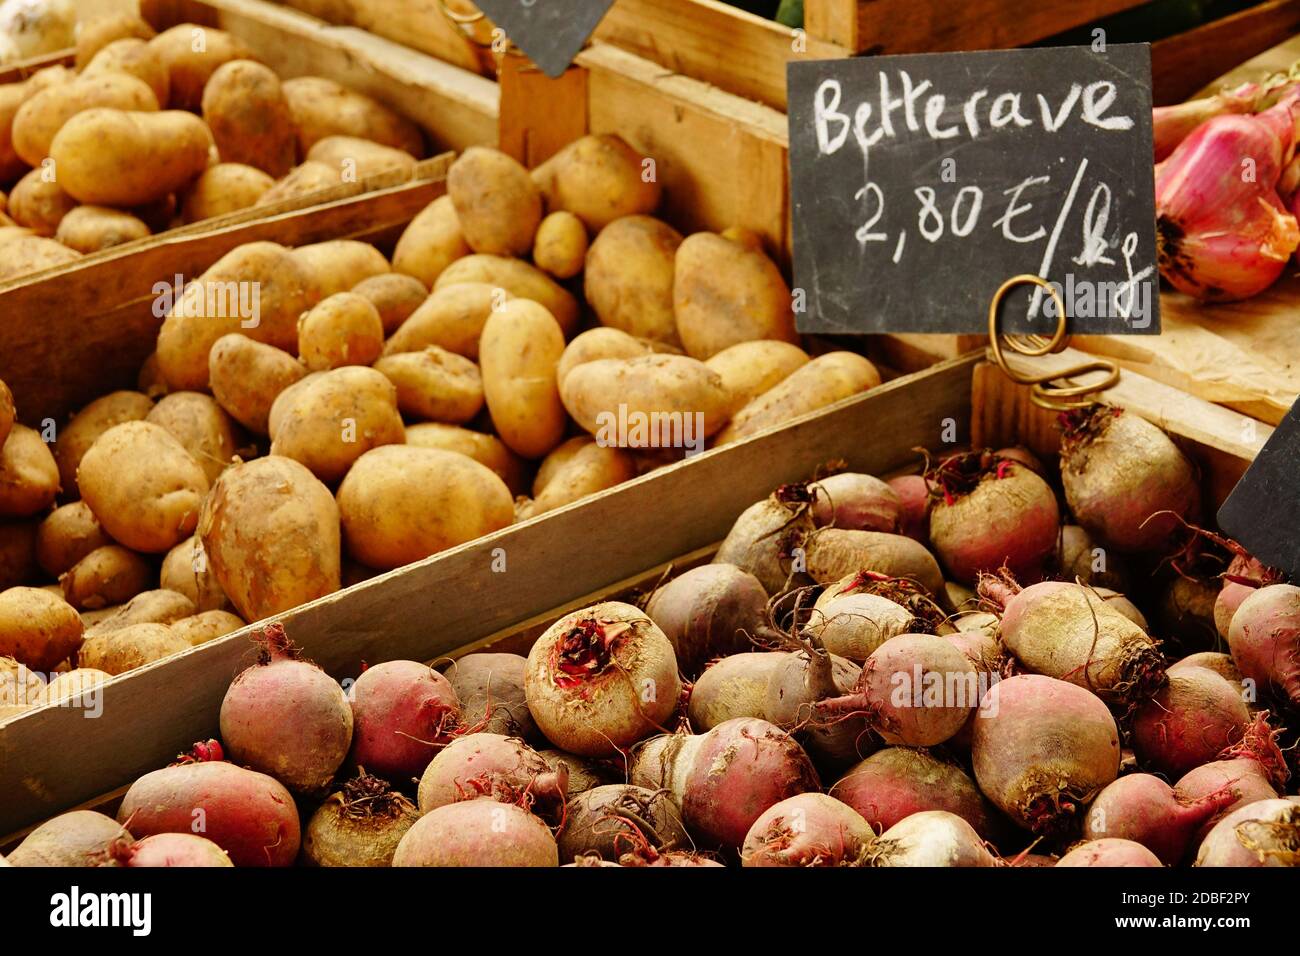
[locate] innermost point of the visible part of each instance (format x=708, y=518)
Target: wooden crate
x=461, y=600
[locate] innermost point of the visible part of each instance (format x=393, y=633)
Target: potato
x=452, y=318
x=39, y=120
x=143, y=486
x=394, y=296
x=354, y=160
x=66, y=536
x=223, y=189
x=560, y=245
x=655, y=395
x=629, y=277
x=329, y=421
x=245, y=108
x=271, y=533
x=150, y=607
x=149, y=380
x=192, y=54
x=18, y=553
x=24, y=255
x=724, y=294
x=258, y=289
x=520, y=349
x=92, y=228
x=29, y=476
x=598, y=179
x=186, y=570
x=206, y=626
x=95, y=34
x=344, y=329
x=340, y=264
x=323, y=108
x=430, y=243
x=75, y=684
x=435, y=385
x=600, y=343
x=12, y=96
x=39, y=203
x=578, y=468
x=305, y=180
x=202, y=427
x=21, y=690
x=286, y=401
x=745, y=237
x=106, y=577
x=497, y=204
x=136, y=57
x=109, y=157
x=76, y=437
x=159, y=215
x=247, y=377
x=130, y=647
x=751, y=368
x=485, y=449
x=824, y=381
x=38, y=629
x=401, y=504
x=520, y=279
x=7, y=412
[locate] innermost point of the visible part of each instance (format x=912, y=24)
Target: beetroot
x=1069, y=632
x=479, y=832
x=1264, y=833
x=1110, y=852
x=896, y=782
x=764, y=538
x=991, y=513
x=1022, y=456
x=1144, y=809
x=710, y=611
x=735, y=686
x=601, y=679
x=402, y=713
x=1042, y=749
x=1188, y=722
x=176, y=850
x=489, y=765
x=248, y=814
x=1244, y=576
x=1265, y=640
x=833, y=554
x=360, y=825
x=1081, y=559
x=490, y=690
x=1254, y=769
x=618, y=819
x=914, y=498
x=286, y=717
x=78, y=838
x=857, y=614
x=723, y=780
x=1184, y=611
x=584, y=773
x=648, y=856
x=856, y=502
x=807, y=830
x=799, y=681
x=931, y=838
x=1125, y=481
x=1221, y=664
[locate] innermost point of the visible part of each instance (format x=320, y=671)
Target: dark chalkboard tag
x=551, y=32
x=1263, y=511
x=921, y=182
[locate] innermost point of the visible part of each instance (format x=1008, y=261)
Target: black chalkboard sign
x=920, y=183
x=551, y=32
x=1263, y=511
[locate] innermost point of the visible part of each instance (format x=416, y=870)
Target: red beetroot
x=834, y=554
x=1264, y=833
x=1109, y=852
x=1254, y=769
x=857, y=614
x=1265, y=641
x=806, y=830
x=1221, y=664
x=490, y=689
x=1126, y=482
x=1188, y=722
x=710, y=611
x=914, y=498
x=931, y=838
x=897, y=782
x=1042, y=749
x=176, y=849
x=991, y=513
x=856, y=502
x=1081, y=559
x=1146, y=810
x=479, y=832
x=763, y=539
x=78, y=838
x=490, y=765
x=402, y=713
x=619, y=819
x=286, y=717
x=360, y=825
x=601, y=679
x=1244, y=576
x=248, y=814
x=1023, y=456
x=724, y=779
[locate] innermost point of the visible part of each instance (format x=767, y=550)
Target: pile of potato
x=152, y=130
x=374, y=412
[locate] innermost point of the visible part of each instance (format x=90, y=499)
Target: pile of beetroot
x=957, y=668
